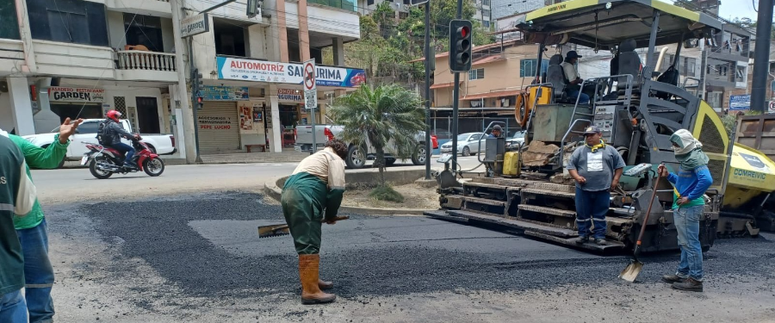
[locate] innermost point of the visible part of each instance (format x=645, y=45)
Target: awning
x=488, y=59
x=442, y=85
x=490, y=95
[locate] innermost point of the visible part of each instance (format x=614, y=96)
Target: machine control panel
x=605, y=119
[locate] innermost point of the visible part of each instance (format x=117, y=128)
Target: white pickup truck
x=356, y=158
x=162, y=144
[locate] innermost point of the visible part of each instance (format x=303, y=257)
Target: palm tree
x=380, y=115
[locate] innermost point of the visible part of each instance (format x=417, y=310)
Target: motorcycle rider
x=109, y=135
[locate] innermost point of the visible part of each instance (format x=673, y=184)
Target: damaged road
x=198, y=258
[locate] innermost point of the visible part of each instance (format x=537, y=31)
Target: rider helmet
x=113, y=115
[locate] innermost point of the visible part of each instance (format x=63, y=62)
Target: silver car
x=467, y=144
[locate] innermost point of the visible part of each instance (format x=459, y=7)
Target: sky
x=731, y=9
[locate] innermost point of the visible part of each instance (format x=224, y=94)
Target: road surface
x=184, y=248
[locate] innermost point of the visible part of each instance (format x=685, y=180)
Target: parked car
x=515, y=140
x=467, y=144
x=161, y=144
x=355, y=158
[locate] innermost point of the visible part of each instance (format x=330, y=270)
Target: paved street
x=183, y=247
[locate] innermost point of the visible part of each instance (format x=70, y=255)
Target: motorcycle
x=104, y=161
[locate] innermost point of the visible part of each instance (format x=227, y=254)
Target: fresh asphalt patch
x=208, y=245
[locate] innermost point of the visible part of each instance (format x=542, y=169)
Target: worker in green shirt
x=17, y=195
x=31, y=227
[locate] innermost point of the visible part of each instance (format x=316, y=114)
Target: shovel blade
x=631, y=271
x=273, y=230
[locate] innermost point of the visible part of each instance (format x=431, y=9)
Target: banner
x=66, y=94
x=225, y=93
x=290, y=73
x=739, y=102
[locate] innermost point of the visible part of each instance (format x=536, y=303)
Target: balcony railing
x=147, y=61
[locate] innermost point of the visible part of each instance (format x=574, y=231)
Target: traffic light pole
x=455, y=100
x=761, y=59
x=428, y=58
x=194, y=101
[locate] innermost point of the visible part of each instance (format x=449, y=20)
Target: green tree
x=381, y=115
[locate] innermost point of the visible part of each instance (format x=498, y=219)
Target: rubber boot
x=325, y=284
x=310, y=290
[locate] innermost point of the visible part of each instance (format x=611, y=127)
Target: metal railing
x=145, y=61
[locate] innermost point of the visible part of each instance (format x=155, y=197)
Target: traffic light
x=198, y=81
x=254, y=8
x=460, y=45
x=199, y=102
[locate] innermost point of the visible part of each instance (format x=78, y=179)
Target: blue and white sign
x=290, y=73
x=225, y=93
x=739, y=102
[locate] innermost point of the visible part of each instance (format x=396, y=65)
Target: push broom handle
x=648, y=211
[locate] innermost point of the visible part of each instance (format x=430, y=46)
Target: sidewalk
x=236, y=158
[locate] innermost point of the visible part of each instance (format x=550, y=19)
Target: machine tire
x=94, y=172
x=522, y=109
x=466, y=151
x=354, y=163
x=418, y=158
x=152, y=173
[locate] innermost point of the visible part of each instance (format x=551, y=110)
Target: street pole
x=456, y=101
x=193, y=98
x=314, y=134
x=187, y=125
x=428, y=58
x=761, y=56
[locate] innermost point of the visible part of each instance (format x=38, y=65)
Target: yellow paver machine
x=526, y=189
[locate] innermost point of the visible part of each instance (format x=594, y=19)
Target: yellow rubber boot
x=309, y=273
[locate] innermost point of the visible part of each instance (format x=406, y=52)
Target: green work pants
x=303, y=201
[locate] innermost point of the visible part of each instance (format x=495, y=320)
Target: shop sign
x=66, y=94
x=739, y=102
x=289, y=95
x=225, y=93
x=291, y=73
x=215, y=123
x=194, y=25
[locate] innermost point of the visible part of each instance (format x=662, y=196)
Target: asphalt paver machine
x=528, y=190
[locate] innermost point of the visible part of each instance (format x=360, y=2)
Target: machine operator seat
x=556, y=76
x=629, y=63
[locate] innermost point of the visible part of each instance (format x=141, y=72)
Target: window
x=76, y=21
x=476, y=74
x=89, y=127
x=485, y=13
x=369, y=2
x=9, y=27
x=144, y=30
x=229, y=38
x=740, y=73
x=485, y=2
x=527, y=67
x=689, y=67
x=486, y=24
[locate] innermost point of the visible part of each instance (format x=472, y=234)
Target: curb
x=275, y=192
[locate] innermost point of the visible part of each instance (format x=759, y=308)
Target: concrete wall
x=325, y=19
x=6, y=115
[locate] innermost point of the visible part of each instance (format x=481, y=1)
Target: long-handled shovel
x=633, y=269
x=276, y=230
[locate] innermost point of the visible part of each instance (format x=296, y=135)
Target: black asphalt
x=208, y=246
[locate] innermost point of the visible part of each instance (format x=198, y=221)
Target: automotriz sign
x=290, y=73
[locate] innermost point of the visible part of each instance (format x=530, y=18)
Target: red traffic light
x=463, y=31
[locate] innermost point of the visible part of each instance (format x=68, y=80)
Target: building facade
x=81, y=58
